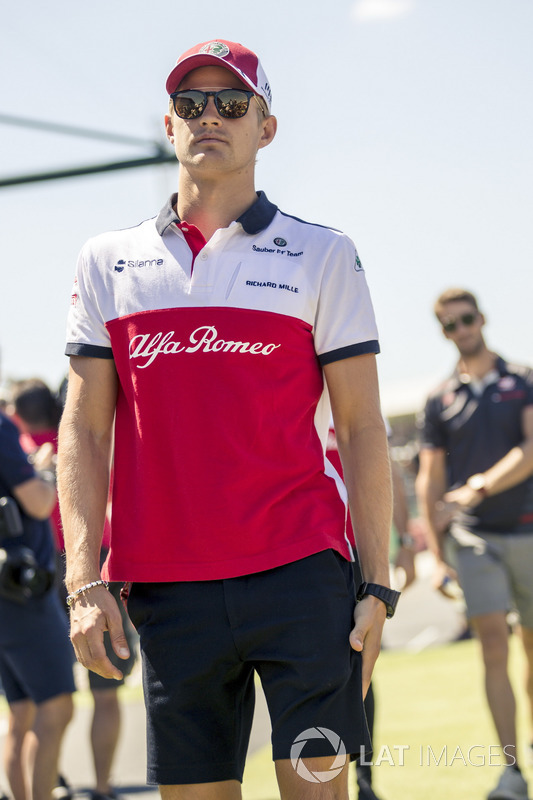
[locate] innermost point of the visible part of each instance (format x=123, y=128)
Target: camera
x=21, y=577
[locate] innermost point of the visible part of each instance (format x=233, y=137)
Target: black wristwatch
x=389, y=596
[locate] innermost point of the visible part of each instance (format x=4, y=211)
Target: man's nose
x=210, y=114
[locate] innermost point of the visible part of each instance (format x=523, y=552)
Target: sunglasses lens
x=466, y=319
x=189, y=105
x=232, y=103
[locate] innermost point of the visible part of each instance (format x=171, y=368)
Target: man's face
x=462, y=323
x=211, y=143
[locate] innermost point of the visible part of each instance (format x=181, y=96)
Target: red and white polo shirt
x=222, y=414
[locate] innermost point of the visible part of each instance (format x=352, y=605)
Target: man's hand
x=44, y=458
x=369, y=616
x=463, y=497
x=445, y=580
x=404, y=564
x=90, y=615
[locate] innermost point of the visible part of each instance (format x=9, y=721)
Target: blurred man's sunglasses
x=450, y=324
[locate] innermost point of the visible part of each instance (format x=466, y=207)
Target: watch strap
x=408, y=541
x=388, y=596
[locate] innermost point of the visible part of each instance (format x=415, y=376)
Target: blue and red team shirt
x=477, y=429
x=222, y=413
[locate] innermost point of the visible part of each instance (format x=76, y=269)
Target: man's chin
x=470, y=349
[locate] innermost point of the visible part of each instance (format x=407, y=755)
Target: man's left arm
x=512, y=469
x=364, y=452
x=405, y=556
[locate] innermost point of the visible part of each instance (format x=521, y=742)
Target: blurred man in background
x=475, y=488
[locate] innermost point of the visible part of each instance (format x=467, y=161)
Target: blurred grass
x=430, y=707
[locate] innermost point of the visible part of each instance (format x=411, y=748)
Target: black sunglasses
x=230, y=103
x=450, y=326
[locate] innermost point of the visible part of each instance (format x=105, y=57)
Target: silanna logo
x=121, y=264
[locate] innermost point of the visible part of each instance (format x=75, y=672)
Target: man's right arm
x=36, y=497
x=84, y=452
x=431, y=485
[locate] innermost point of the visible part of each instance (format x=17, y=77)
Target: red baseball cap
x=221, y=53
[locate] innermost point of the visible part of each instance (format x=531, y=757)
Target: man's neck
x=478, y=365
x=211, y=205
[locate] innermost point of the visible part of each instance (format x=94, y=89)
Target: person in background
x=37, y=411
x=475, y=489
x=35, y=654
x=404, y=563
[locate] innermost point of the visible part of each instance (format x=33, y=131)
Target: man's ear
x=442, y=329
x=269, y=128
x=168, y=128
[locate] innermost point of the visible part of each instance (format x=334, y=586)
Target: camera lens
x=33, y=579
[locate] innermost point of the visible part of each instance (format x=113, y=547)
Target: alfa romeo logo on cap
x=215, y=49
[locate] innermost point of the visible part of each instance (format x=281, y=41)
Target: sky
x=408, y=124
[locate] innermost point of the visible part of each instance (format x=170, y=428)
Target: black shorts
x=36, y=656
x=201, y=643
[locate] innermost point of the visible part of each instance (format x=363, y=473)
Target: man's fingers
x=365, y=636
x=90, y=652
x=105, y=668
x=357, y=639
x=366, y=679
x=88, y=624
x=116, y=634
x=82, y=652
x=370, y=654
x=119, y=643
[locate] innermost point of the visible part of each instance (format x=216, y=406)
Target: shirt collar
x=167, y=215
x=454, y=382
x=259, y=215
x=255, y=219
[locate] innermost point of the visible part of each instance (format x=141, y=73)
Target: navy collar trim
x=255, y=219
x=455, y=381
x=259, y=215
x=167, y=215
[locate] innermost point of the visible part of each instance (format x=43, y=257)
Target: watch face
x=477, y=482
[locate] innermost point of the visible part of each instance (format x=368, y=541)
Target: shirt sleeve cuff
x=360, y=349
x=89, y=350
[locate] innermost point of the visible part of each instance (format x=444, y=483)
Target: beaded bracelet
x=74, y=596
